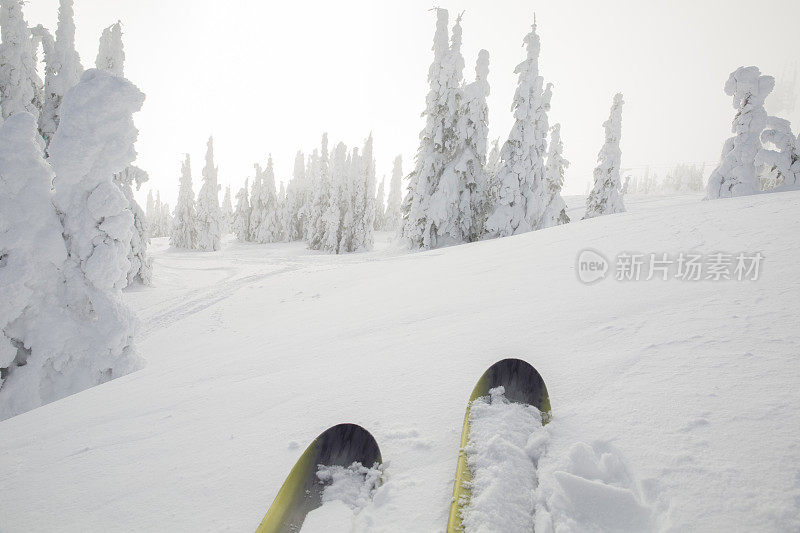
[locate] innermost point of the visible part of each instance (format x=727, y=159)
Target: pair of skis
x=345, y=444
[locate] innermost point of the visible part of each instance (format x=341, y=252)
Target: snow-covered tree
x=20, y=85
x=110, y=53
x=241, y=216
x=462, y=189
x=32, y=251
x=140, y=270
x=783, y=164
x=318, y=172
x=265, y=223
x=736, y=173
x=332, y=239
x=94, y=141
x=364, y=199
x=183, y=233
x=555, y=211
x=520, y=197
x=393, y=215
x=209, y=215
x=605, y=198
x=437, y=139
x=165, y=220
x=63, y=67
x=380, y=206
x=227, y=211
x=297, y=194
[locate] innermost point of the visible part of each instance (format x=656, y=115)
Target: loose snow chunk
x=347, y=491
x=505, y=440
x=333, y=517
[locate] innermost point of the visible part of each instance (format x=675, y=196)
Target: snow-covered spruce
x=736, y=173
x=183, y=233
x=364, y=190
x=318, y=172
x=436, y=139
x=227, y=211
x=555, y=211
x=110, y=53
x=140, y=270
x=380, y=206
x=241, y=216
x=782, y=164
x=265, y=223
x=297, y=194
x=605, y=197
x=332, y=217
x=519, y=201
x=20, y=85
x=32, y=251
x=159, y=220
x=209, y=215
x=90, y=338
x=393, y=216
x=63, y=67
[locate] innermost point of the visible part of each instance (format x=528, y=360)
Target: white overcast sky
x=269, y=77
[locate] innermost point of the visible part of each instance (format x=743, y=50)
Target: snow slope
x=671, y=399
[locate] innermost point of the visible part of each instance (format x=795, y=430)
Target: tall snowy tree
x=110, y=53
x=227, y=211
x=380, y=206
x=32, y=252
x=393, y=214
x=332, y=239
x=265, y=219
x=555, y=211
x=63, y=67
x=437, y=139
x=319, y=173
x=605, y=198
x=736, y=173
x=183, y=233
x=140, y=270
x=241, y=216
x=364, y=199
x=783, y=163
x=209, y=215
x=94, y=141
x=519, y=204
x=20, y=85
x=462, y=188
x=297, y=194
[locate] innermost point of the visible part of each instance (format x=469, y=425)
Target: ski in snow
x=341, y=445
x=522, y=384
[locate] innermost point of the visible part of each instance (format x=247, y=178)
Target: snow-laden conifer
x=338, y=202
x=63, y=67
x=94, y=141
x=32, y=251
x=319, y=173
x=209, y=215
x=140, y=270
x=605, y=198
x=736, y=173
x=555, y=211
x=297, y=202
x=380, y=206
x=393, y=215
x=20, y=85
x=183, y=233
x=241, y=216
x=111, y=53
x=783, y=163
x=364, y=199
x=265, y=223
x=437, y=139
x=519, y=201
x=227, y=211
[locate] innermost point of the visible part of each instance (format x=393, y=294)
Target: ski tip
x=522, y=383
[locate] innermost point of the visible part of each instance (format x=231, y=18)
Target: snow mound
x=505, y=441
x=590, y=490
x=347, y=491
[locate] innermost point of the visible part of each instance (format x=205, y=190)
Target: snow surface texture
x=505, y=441
x=736, y=173
x=694, y=384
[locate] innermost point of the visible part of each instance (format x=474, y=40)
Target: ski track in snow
x=674, y=403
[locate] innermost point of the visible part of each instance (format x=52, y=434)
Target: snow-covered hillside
x=674, y=402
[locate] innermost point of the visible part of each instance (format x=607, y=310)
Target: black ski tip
x=345, y=444
x=522, y=383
